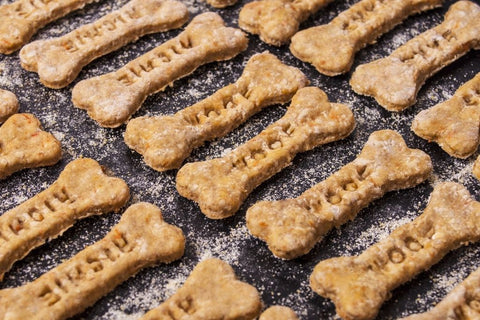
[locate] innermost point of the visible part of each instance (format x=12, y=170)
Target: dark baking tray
x=279, y=282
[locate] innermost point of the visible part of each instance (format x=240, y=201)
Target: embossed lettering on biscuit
x=394, y=81
x=331, y=47
x=292, y=227
x=455, y=123
x=462, y=303
x=141, y=239
x=23, y=144
x=278, y=313
x=359, y=285
x=21, y=19
x=166, y=141
x=276, y=21
x=58, y=61
x=8, y=104
x=221, y=185
x=81, y=190
x=112, y=98
x=212, y=291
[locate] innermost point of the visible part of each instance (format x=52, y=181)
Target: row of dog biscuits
x=58, y=61
x=331, y=47
x=292, y=227
x=8, y=104
x=165, y=141
x=359, y=285
x=112, y=98
x=25, y=145
x=21, y=19
x=221, y=185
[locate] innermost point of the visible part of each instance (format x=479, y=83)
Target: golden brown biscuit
x=359, y=285
x=394, y=81
x=276, y=21
x=112, y=98
x=167, y=140
x=462, y=303
x=21, y=19
x=476, y=168
x=8, y=104
x=292, y=227
x=141, y=239
x=81, y=190
x=455, y=123
x=221, y=185
x=278, y=313
x=58, y=61
x=23, y=144
x=331, y=47
x=212, y=292
x=221, y=3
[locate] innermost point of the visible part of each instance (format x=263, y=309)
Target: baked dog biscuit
x=394, y=81
x=112, y=98
x=221, y=185
x=21, y=19
x=81, y=190
x=213, y=292
x=359, y=285
x=8, y=104
x=331, y=47
x=292, y=227
x=276, y=21
x=221, y=3
x=278, y=313
x=462, y=303
x=167, y=140
x=455, y=123
x=23, y=144
x=141, y=239
x=476, y=168
x=58, y=61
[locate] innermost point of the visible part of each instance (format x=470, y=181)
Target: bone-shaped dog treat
x=81, y=190
x=141, y=239
x=278, y=313
x=394, y=81
x=221, y=185
x=212, y=291
x=462, y=303
x=276, y=21
x=8, y=104
x=112, y=98
x=166, y=141
x=58, y=61
x=221, y=3
x=23, y=144
x=20, y=20
x=455, y=123
x=359, y=285
x=292, y=227
x=331, y=47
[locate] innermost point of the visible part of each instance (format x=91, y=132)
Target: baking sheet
x=278, y=281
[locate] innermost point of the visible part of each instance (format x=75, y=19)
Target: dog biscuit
x=278, y=313
x=359, y=285
x=81, y=190
x=166, y=141
x=21, y=19
x=455, y=123
x=476, y=168
x=462, y=303
x=394, y=81
x=23, y=144
x=221, y=3
x=141, y=239
x=8, y=104
x=276, y=21
x=58, y=61
x=221, y=185
x=112, y=98
x=331, y=47
x=212, y=291
x=292, y=227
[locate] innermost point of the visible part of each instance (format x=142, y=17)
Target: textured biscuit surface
x=278, y=313
x=8, y=104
